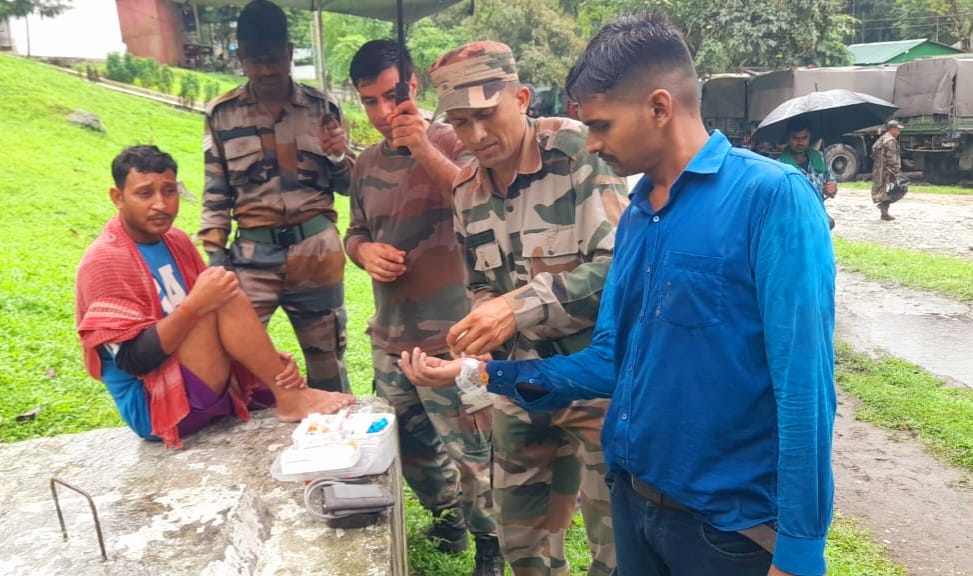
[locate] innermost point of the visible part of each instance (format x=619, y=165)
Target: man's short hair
x=473, y=75
x=377, y=56
x=142, y=158
x=796, y=125
x=262, y=25
x=641, y=43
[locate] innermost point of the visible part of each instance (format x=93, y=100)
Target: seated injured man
x=177, y=344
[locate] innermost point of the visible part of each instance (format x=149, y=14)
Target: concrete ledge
x=210, y=508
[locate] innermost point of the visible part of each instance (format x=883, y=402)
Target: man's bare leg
x=233, y=332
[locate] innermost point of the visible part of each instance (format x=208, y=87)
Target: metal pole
x=322, y=70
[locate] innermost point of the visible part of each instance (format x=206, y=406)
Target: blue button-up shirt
x=714, y=342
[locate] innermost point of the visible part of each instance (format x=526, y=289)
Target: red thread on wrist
x=192, y=315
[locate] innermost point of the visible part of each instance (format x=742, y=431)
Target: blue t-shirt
x=127, y=390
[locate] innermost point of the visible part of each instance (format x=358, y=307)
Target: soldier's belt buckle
x=285, y=237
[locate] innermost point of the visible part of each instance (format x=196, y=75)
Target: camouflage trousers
x=445, y=452
x=541, y=461
x=307, y=281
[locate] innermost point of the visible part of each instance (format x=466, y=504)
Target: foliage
x=428, y=41
x=729, y=34
x=166, y=80
x=188, y=89
x=147, y=72
x=544, y=39
x=45, y=8
x=343, y=36
x=211, y=90
x=117, y=70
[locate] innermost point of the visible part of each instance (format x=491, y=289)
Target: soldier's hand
x=484, y=329
x=290, y=376
x=334, y=140
x=214, y=287
x=409, y=128
x=383, y=262
x=424, y=370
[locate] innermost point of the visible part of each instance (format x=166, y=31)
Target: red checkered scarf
x=116, y=299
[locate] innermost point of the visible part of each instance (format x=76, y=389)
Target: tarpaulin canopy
x=380, y=9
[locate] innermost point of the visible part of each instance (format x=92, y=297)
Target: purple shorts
x=206, y=405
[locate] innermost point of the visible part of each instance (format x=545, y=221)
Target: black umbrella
x=828, y=114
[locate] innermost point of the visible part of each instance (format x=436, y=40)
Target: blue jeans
x=660, y=541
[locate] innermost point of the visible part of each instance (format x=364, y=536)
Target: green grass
x=852, y=551
x=945, y=274
x=923, y=188
x=901, y=396
x=55, y=183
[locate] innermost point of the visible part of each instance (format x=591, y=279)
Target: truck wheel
x=843, y=162
x=940, y=169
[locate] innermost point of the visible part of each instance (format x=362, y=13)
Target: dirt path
x=920, y=509
x=936, y=223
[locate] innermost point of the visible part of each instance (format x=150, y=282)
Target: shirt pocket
x=312, y=166
x=483, y=252
x=554, y=251
x=245, y=161
x=692, y=289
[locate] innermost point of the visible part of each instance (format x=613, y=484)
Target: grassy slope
x=54, y=190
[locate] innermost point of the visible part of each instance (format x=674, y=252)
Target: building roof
x=882, y=52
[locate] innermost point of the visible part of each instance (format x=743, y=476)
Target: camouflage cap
x=473, y=75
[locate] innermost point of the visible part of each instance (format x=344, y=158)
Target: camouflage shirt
x=546, y=242
x=395, y=202
x=269, y=172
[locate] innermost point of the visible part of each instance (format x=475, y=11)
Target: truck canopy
x=935, y=86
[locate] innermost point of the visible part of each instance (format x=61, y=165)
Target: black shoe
x=448, y=531
x=489, y=560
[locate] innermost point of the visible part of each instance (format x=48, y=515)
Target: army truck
x=935, y=100
x=737, y=103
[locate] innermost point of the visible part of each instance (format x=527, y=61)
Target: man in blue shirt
x=714, y=338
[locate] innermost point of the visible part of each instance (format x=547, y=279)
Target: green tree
x=724, y=35
x=343, y=36
x=44, y=8
x=428, y=40
x=166, y=80
x=22, y=8
x=188, y=89
x=544, y=39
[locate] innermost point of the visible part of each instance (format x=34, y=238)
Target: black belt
x=287, y=235
x=654, y=496
x=763, y=535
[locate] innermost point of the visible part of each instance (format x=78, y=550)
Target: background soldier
x=536, y=215
x=401, y=234
x=886, y=167
x=275, y=154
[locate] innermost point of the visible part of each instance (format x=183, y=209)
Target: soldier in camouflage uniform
x=886, y=168
x=275, y=155
x=536, y=216
x=401, y=234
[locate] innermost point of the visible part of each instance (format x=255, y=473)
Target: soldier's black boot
x=489, y=560
x=884, y=207
x=448, y=531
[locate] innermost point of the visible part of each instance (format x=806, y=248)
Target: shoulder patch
x=563, y=134
x=223, y=99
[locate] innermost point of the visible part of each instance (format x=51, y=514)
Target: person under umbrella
x=808, y=160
